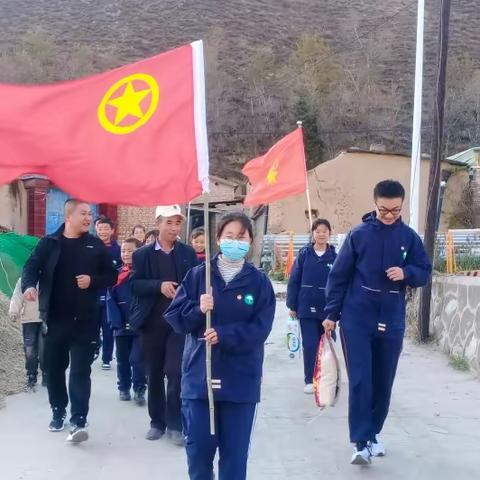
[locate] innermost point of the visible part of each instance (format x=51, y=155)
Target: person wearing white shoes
x=306, y=293
x=366, y=286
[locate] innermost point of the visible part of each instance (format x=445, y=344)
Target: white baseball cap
x=167, y=211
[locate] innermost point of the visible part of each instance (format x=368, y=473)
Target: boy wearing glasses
x=366, y=286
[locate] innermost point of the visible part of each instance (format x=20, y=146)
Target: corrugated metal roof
x=467, y=157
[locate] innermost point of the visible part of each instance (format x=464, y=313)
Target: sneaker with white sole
x=78, y=434
x=377, y=448
x=309, y=389
x=361, y=454
x=58, y=422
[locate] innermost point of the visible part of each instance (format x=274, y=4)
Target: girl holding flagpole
x=306, y=293
x=242, y=306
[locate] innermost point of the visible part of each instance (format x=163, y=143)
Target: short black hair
x=72, y=203
x=321, y=221
x=105, y=220
x=389, y=189
x=133, y=240
x=154, y=232
x=101, y=217
x=198, y=232
x=235, y=217
x=138, y=226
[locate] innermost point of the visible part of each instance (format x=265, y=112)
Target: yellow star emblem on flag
x=128, y=104
x=273, y=174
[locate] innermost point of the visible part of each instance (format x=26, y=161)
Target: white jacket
x=19, y=307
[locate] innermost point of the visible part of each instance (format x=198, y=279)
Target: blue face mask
x=234, y=250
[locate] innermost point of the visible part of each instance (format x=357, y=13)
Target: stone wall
x=455, y=317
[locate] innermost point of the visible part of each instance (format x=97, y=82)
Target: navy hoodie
x=242, y=317
x=358, y=287
x=115, y=255
x=119, y=299
x=308, y=279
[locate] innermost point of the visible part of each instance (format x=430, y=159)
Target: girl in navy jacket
x=243, y=307
x=377, y=261
x=130, y=367
x=306, y=292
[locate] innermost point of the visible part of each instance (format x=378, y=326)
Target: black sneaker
x=124, y=396
x=58, y=423
x=139, y=398
x=31, y=382
x=77, y=434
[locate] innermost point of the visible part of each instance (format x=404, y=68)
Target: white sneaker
x=78, y=435
x=361, y=457
x=377, y=448
x=309, y=389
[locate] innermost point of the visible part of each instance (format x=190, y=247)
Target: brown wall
x=13, y=207
x=128, y=217
x=341, y=191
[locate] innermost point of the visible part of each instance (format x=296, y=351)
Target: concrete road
x=433, y=431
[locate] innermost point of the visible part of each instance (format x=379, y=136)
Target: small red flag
x=134, y=135
x=279, y=173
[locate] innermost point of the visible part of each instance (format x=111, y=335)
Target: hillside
x=136, y=29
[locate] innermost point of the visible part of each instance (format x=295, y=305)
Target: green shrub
x=459, y=363
x=278, y=276
x=464, y=263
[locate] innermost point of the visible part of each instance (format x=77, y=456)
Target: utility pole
x=435, y=163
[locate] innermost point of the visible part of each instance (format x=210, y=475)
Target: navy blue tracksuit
x=372, y=309
x=107, y=333
x=306, y=297
x=130, y=365
x=242, y=317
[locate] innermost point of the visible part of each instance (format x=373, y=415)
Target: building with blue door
x=45, y=203
x=55, y=202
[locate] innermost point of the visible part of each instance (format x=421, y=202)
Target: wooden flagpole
x=208, y=289
x=307, y=191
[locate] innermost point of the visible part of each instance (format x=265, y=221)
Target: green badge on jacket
x=248, y=299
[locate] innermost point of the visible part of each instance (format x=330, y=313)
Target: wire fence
x=466, y=245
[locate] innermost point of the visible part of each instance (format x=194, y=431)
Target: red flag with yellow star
x=279, y=173
x=135, y=135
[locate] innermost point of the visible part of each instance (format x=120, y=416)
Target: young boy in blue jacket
x=105, y=231
x=243, y=307
x=306, y=293
x=377, y=261
x=130, y=368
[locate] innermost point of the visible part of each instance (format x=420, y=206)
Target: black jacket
x=145, y=278
x=94, y=261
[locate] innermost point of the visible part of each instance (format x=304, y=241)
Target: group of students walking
x=154, y=300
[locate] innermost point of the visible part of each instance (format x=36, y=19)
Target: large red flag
x=279, y=173
x=134, y=135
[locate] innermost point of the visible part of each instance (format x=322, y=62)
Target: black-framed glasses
x=393, y=211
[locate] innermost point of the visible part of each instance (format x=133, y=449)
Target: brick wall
x=37, y=189
x=128, y=217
